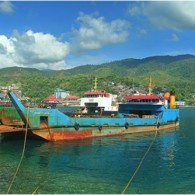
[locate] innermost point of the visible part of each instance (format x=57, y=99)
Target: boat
x=99, y=102
x=138, y=113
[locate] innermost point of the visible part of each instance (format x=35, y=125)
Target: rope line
x=39, y=184
x=22, y=156
x=139, y=165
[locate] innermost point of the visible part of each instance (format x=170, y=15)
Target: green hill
x=170, y=72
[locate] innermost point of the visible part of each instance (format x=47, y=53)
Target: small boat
x=139, y=113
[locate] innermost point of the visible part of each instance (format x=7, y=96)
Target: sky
x=64, y=34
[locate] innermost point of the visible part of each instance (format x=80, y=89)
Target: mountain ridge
x=176, y=72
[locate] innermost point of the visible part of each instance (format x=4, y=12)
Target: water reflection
x=168, y=146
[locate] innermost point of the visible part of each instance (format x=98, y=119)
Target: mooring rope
x=139, y=165
x=22, y=156
x=41, y=181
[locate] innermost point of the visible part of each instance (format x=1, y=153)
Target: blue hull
x=51, y=124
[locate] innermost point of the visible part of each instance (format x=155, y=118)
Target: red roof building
x=51, y=99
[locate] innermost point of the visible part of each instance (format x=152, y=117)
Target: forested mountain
x=171, y=72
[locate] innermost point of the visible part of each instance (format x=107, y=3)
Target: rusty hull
x=53, y=134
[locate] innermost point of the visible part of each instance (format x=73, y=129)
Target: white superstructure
x=100, y=100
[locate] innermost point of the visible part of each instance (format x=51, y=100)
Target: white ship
x=99, y=102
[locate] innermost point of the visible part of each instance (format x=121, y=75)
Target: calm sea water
x=104, y=165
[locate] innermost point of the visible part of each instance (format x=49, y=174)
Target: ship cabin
x=98, y=101
x=143, y=106
x=145, y=99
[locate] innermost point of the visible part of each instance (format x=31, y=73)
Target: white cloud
x=35, y=50
x=95, y=32
x=6, y=7
x=45, y=51
x=177, y=15
x=5, y=45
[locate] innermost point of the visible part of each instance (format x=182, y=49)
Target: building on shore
x=14, y=88
x=60, y=93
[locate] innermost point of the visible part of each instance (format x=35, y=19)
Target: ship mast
x=150, y=86
x=95, y=84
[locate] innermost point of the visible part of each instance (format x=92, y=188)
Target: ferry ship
x=99, y=102
x=139, y=113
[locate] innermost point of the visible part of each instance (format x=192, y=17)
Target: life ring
x=100, y=127
x=126, y=125
x=76, y=126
